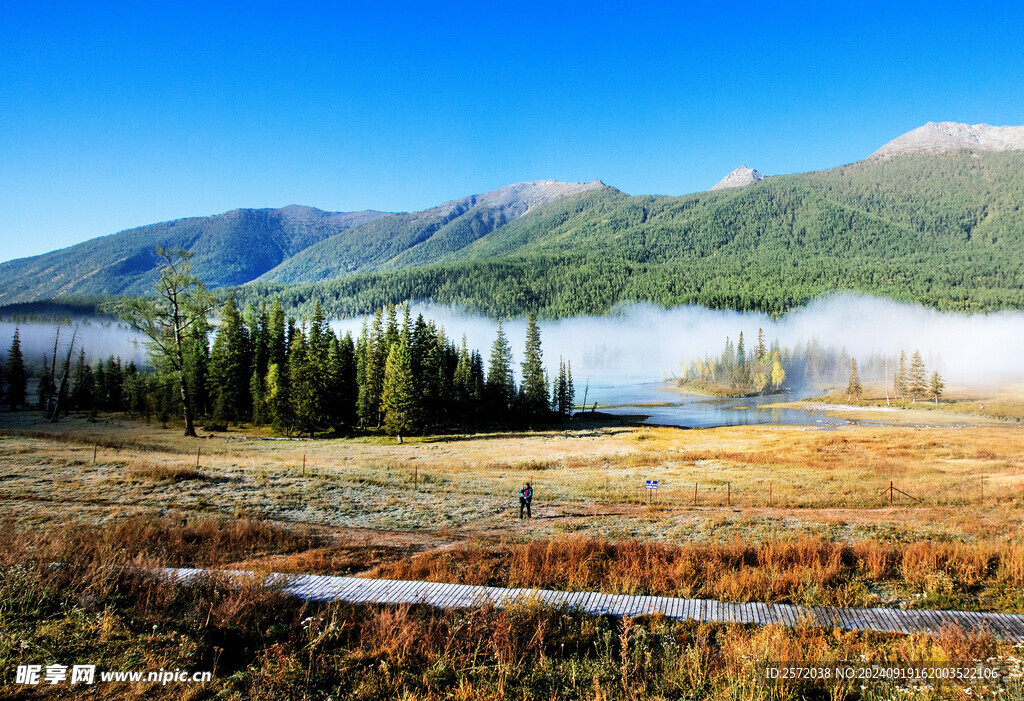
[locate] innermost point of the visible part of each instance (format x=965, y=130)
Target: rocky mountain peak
x=740, y=177
x=937, y=137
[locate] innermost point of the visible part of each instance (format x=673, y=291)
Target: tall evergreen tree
x=917, y=379
x=16, y=378
x=277, y=342
x=230, y=368
x=278, y=399
x=853, y=387
x=900, y=381
x=501, y=386
x=196, y=371
x=398, y=394
x=375, y=358
x=348, y=389
x=535, y=392
x=300, y=384
x=936, y=386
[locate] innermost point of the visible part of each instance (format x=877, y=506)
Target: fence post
x=728, y=486
x=94, y=449
x=694, y=493
x=303, y=464
x=769, y=494
x=198, y=451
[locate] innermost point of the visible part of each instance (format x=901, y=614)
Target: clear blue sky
x=114, y=116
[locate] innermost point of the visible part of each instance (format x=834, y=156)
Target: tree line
x=298, y=376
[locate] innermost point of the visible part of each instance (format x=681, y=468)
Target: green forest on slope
x=943, y=230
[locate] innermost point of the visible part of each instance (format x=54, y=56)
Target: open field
x=974, y=405
x=783, y=514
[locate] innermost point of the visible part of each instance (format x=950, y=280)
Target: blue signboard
x=652, y=484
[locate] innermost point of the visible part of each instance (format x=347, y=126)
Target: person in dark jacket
x=525, y=498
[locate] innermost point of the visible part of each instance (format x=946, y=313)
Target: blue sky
x=119, y=115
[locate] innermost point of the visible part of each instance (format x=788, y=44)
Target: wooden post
x=415, y=477
x=890, y=492
x=694, y=493
x=728, y=493
x=769, y=494
x=94, y=449
x=983, y=489
x=303, y=464
x=198, y=452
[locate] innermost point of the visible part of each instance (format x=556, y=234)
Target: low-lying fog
x=641, y=343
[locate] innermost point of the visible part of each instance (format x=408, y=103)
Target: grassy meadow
x=782, y=514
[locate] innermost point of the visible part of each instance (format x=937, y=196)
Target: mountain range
x=934, y=216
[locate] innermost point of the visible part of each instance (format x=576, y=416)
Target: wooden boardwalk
x=392, y=591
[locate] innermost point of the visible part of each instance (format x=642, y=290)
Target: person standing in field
x=525, y=498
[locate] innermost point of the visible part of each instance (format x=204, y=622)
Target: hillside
x=933, y=217
x=229, y=249
x=945, y=230
x=420, y=238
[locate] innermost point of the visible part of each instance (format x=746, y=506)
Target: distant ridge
x=937, y=137
x=741, y=177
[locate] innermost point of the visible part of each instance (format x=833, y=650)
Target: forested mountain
x=946, y=230
x=228, y=249
x=942, y=228
x=406, y=240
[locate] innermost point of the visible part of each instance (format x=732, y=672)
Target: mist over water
x=100, y=337
x=645, y=343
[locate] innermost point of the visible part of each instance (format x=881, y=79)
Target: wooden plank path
x=325, y=588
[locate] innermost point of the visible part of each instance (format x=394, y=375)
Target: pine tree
x=277, y=342
x=363, y=410
x=196, y=371
x=398, y=394
x=501, y=386
x=761, y=352
x=230, y=368
x=900, y=381
x=278, y=399
x=936, y=386
x=376, y=357
x=853, y=387
x=535, y=392
x=300, y=384
x=570, y=390
x=16, y=380
x=917, y=380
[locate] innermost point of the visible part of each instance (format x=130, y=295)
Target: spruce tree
x=500, y=388
x=936, y=386
x=535, y=392
x=276, y=335
x=900, y=380
x=16, y=379
x=917, y=379
x=570, y=390
x=398, y=394
x=853, y=387
x=376, y=357
x=278, y=399
x=300, y=384
x=230, y=369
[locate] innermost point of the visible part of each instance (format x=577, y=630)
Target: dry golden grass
x=800, y=570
